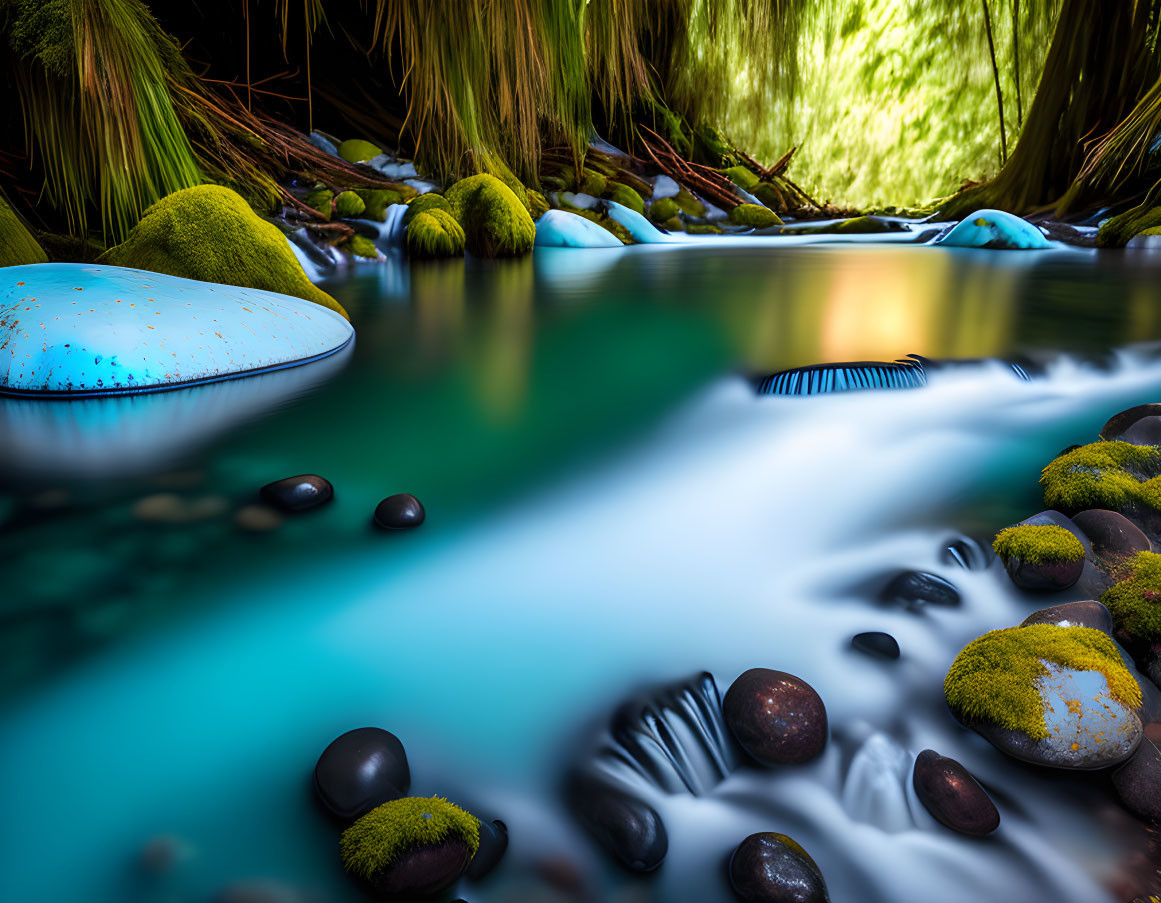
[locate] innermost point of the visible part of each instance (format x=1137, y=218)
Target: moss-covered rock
x=626, y=196
x=1135, y=601
x=741, y=177
x=210, y=233
x=689, y=205
x=425, y=203
x=434, y=233
x=321, y=199
x=771, y=195
x=377, y=200
x=494, y=220
x=17, y=246
x=356, y=150
x=349, y=204
x=703, y=229
x=412, y=846
x=994, y=678
x=537, y=204
x=663, y=209
x=361, y=246
x=1102, y=475
x=593, y=182
x=1038, y=544
x=755, y=216
x=1116, y=231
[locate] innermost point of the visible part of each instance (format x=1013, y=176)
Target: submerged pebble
x=493, y=845
x=776, y=717
x=773, y=868
x=917, y=588
x=877, y=644
x=296, y=494
x=399, y=512
x=953, y=796
x=360, y=770
x=1138, y=781
x=627, y=827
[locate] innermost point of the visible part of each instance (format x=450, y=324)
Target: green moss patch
x=383, y=835
x=377, y=200
x=626, y=196
x=689, y=205
x=424, y=203
x=1135, y=601
x=495, y=222
x=537, y=204
x=741, y=177
x=321, y=199
x=349, y=204
x=663, y=209
x=1116, y=231
x=1101, y=475
x=209, y=233
x=994, y=678
x=361, y=246
x=17, y=246
x=356, y=150
x=754, y=215
x=434, y=233
x=593, y=183
x=1038, y=544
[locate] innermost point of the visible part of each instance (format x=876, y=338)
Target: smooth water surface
x=610, y=508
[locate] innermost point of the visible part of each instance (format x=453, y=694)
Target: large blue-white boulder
x=994, y=229
x=562, y=229
x=78, y=329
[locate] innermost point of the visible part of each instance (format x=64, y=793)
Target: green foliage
x=379, y=838
x=1116, y=231
x=425, y=203
x=361, y=246
x=495, y=222
x=663, y=209
x=17, y=246
x=1135, y=601
x=1100, y=475
x=994, y=678
x=210, y=233
x=94, y=79
x=1038, y=544
x=377, y=200
x=434, y=233
x=741, y=176
x=356, y=150
x=349, y=204
x=626, y=196
x=755, y=216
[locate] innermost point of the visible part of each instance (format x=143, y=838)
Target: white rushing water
x=745, y=532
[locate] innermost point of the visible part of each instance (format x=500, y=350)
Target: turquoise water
x=609, y=508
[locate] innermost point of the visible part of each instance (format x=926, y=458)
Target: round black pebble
x=877, y=644
x=953, y=795
x=295, y=494
x=493, y=845
x=399, y=512
x=773, y=868
x=916, y=588
x=777, y=718
x=625, y=826
x=360, y=770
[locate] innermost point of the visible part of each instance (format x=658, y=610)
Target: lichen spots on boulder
x=1038, y=544
x=209, y=233
x=1135, y=602
x=994, y=678
x=1102, y=475
x=434, y=233
x=495, y=222
x=17, y=246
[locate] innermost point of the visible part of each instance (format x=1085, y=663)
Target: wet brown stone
x=773, y=868
x=1119, y=423
x=1138, y=781
x=776, y=717
x=1074, y=614
x=953, y=796
x=1112, y=534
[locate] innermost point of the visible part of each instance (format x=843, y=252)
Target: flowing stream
x=609, y=520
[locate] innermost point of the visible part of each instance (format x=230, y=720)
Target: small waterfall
x=318, y=263
x=902, y=374
x=675, y=738
x=875, y=788
x=391, y=230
